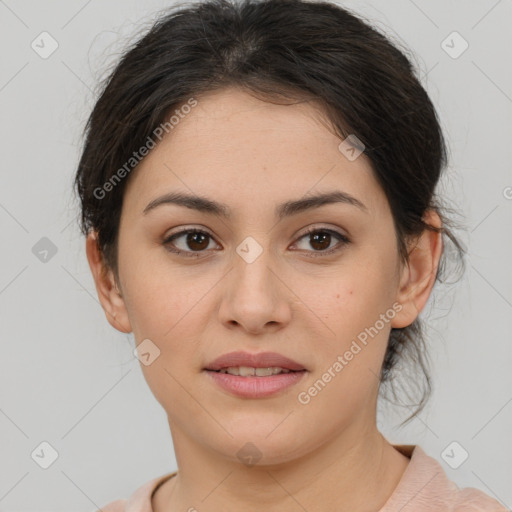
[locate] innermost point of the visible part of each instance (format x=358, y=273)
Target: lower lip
x=255, y=387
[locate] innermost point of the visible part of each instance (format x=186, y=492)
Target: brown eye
x=194, y=241
x=321, y=239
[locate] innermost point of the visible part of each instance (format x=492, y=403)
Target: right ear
x=108, y=291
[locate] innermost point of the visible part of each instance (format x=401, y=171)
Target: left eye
x=196, y=241
x=319, y=237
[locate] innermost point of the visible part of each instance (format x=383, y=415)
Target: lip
x=260, y=360
x=253, y=386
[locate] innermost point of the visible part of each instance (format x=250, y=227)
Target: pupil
x=324, y=236
x=191, y=240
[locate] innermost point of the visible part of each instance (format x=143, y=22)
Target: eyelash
x=343, y=240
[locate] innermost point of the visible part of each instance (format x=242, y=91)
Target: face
x=257, y=282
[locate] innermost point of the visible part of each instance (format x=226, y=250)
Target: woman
x=258, y=194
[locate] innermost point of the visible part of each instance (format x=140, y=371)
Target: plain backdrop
x=67, y=378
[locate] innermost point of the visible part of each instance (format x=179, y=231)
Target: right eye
x=194, y=242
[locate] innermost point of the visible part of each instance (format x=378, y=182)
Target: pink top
x=424, y=487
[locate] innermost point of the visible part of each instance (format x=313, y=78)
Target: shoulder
x=474, y=500
x=140, y=500
x=114, y=506
x=425, y=487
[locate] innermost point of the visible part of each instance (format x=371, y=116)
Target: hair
x=280, y=51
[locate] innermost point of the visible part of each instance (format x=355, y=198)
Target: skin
x=252, y=155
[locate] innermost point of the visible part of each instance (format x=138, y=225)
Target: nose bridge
x=255, y=297
x=253, y=269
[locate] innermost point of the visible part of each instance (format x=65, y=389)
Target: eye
x=196, y=239
x=321, y=239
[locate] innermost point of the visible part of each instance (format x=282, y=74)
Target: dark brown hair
x=278, y=50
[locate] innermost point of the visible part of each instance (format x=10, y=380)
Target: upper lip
x=260, y=360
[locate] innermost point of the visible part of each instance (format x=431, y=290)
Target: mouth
x=248, y=375
x=262, y=364
x=249, y=371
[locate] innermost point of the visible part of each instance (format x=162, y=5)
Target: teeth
x=247, y=371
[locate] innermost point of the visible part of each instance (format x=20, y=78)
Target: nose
x=255, y=297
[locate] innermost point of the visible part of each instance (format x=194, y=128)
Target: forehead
x=237, y=147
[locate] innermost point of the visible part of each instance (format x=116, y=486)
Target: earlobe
x=419, y=275
x=109, y=294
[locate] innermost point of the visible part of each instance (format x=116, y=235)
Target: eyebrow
x=209, y=206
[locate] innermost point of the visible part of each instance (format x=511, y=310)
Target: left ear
x=419, y=275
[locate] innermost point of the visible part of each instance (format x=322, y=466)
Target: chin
x=263, y=443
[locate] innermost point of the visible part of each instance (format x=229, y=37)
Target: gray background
x=70, y=379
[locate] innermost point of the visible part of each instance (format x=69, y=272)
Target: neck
x=336, y=476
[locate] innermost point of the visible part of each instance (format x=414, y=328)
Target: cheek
x=356, y=305
x=162, y=309
x=353, y=300
x=348, y=367
x=159, y=297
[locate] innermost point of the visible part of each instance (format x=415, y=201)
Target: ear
x=108, y=291
x=419, y=275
